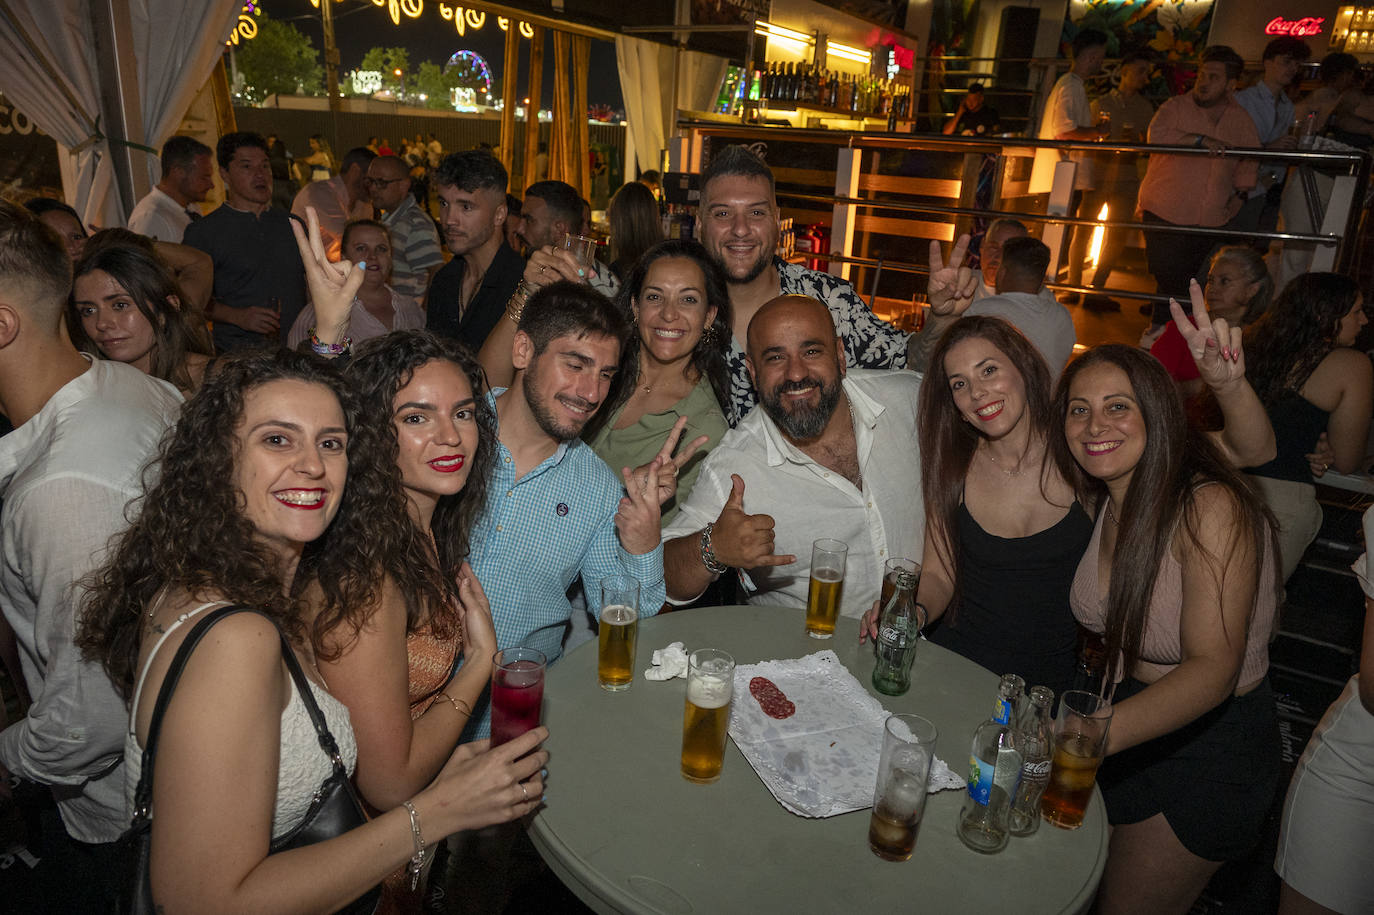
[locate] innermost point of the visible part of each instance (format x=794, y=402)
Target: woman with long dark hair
x=1311, y=380
x=127, y=306
x=677, y=377
x=1179, y=579
x=635, y=226
x=271, y=472
x=395, y=669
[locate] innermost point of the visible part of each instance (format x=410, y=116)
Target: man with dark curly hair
x=83, y=431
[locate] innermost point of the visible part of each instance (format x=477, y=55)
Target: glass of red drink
x=517, y=693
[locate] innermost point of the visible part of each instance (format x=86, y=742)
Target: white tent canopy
x=646, y=82
x=98, y=75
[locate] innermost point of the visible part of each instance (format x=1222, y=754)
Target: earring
x=708, y=336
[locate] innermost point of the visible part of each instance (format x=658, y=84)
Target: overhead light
x=769, y=30
x=845, y=52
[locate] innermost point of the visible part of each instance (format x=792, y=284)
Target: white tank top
x=303, y=765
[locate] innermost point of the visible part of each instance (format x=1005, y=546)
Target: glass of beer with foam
x=618, y=632
x=827, y=585
x=710, y=684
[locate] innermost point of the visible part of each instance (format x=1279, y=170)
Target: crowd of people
x=337, y=471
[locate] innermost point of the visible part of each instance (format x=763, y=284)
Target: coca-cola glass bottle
x=1037, y=750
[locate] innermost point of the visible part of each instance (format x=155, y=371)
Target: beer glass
x=706, y=721
x=827, y=585
x=899, y=798
x=517, y=693
x=580, y=247
x=618, y=633
x=890, y=570
x=1080, y=741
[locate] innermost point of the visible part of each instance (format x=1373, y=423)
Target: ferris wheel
x=471, y=69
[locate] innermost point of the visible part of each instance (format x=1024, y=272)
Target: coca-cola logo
x=1298, y=28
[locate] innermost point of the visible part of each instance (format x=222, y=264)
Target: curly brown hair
x=190, y=533
x=380, y=368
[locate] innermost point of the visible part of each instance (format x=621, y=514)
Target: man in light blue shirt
x=1271, y=109
x=555, y=512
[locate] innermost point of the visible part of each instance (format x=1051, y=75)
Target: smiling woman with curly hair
x=273, y=474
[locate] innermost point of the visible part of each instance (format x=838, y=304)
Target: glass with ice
x=899, y=798
x=1080, y=742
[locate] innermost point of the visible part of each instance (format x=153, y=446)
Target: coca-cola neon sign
x=1298, y=28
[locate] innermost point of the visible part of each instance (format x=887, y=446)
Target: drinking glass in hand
x=706, y=719
x=827, y=586
x=899, y=798
x=517, y=693
x=1080, y=741
x=618, y=633
x=890, y=570
x=582, y=248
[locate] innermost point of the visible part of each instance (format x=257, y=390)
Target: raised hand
x=549, y=265
x=742, y=540
x=638, y=520
x=332, y=285
x=668, y=465
x=1213, y=343
x=950, y=287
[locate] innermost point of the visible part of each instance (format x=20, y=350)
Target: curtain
x=49, y=71
x=646, y=81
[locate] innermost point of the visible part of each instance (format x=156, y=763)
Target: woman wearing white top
x=377, y=308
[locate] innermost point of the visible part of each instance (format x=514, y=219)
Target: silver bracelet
x=417, y=860
x=708, y=556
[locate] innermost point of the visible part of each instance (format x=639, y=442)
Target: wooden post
x=536, y=88
x=581, y=146
x=560, y=161
x=509, y=74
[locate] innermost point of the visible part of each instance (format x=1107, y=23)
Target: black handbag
x=333, y=811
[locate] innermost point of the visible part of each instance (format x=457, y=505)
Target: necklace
x=1009, y=471
x=1111, y=515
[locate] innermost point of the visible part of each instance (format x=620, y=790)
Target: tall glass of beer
x=618, y=633
x=827, y=586
x=1080, y=741
x=710, y=684
x=900, y=795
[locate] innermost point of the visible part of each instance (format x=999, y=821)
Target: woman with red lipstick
x=1180, y=579
x=377, y=309
x=272, y=475
x=681, y=311
x=126, y=306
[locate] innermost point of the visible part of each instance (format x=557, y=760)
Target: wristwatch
x=708, y=556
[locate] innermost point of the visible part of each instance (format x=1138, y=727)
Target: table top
x=627, y=833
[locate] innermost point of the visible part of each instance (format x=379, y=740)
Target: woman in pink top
x=1186, y=606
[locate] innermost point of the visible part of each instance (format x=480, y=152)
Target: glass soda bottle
x=1037, y=750
x=994, y=770
x=899, y=628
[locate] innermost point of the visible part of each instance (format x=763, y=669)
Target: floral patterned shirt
x=869, y=341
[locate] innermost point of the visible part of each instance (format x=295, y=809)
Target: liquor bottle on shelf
x=766, y=88
x=994, y=770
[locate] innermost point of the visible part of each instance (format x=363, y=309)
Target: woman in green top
x=681, y=310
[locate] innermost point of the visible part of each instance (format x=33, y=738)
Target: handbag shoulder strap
x=327, y=742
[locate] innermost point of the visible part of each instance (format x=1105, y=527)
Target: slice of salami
x=772, y=700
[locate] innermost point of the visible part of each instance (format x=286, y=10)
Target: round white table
x=627, y=833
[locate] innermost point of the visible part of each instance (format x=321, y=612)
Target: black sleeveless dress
x=1012, y=614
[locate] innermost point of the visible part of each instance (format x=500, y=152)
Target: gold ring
x=543, y=267
x=523, y=791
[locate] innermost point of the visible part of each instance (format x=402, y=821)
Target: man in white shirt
x=83, y=432
x=833, y=453
x=187, y=177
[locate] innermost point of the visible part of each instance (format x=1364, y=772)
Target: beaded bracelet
x=417, y=860
x=329, y=349
x=464, y=710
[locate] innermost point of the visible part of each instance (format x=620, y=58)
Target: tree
x=281, y=59
x=387, y=61
x=431, y=81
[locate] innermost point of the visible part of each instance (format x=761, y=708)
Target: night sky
x=360, y=25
